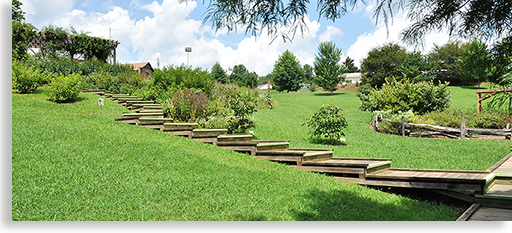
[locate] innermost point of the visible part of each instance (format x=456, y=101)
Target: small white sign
x=100, y=101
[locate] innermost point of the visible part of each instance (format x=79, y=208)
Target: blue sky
x=160, y=30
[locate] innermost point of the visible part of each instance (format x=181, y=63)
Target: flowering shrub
x=328, y=123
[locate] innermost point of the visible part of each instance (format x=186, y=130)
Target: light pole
x=188, y=50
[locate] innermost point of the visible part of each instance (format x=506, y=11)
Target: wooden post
x=463, y=129
x=403, y=126
x=478, y=102
x=510, y=135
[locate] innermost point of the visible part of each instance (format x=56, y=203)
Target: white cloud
x=167, y=29
x=43, y=12
x=365, y=42
x=329, y=33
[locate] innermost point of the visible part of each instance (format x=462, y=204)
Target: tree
x=17, y=13
x=417, y=67
x=382, y=62
x=446, y=59
x=21, y=34
x=308, y=73
x=251, y=80
x=465, y=18
x=239, y=75
x=287, y=73
x=219, y=74
x=476, y=62
x=349, y=64
x=329, y=72
x=502, y=61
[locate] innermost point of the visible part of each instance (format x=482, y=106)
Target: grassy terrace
x=71, y=163
x=284, y=123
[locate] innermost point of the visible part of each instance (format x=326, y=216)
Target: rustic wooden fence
x=463, y=132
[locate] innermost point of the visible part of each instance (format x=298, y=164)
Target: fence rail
x=430, y=130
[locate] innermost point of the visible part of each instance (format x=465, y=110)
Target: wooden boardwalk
x=491, y=190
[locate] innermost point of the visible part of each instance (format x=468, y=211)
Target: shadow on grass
x=343, y=205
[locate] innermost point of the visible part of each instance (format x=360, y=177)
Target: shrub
x=25, y=79
x=328, y=122
x=64, y=88
x=186, y=106
x=422, y=97
x=243, y=104
x=453, y=117
x=172, y=78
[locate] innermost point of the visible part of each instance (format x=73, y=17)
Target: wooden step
x=129, y=103
x=498, y=193
x=123, y=99
x=478, y=181
x=154, y=123
x=147, y=114
x=351, y=167
x=273, y=146
x=244, y=146
x=179, y=129
x=206, y=135
x=294, y=155
x=233, y=138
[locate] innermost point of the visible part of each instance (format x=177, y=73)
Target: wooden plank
x=205, y=133
x=465, y=216
x=179, y=133
x=494, y=90
x=234, y=137
x=317, y=156
x=272, y=146
x=499, y=163
x=180, y=126
x=280, y=158
x=338, y=170
x=456, y=195
x=414, y=184
x=491, y=214
x=430, y=176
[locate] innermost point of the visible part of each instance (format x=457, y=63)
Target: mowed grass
x=285, y=123
x=71, y=163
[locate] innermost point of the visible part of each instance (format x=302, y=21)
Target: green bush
x=452, y=118
x=328, y=123
x=243, y=104
x=26, y=79
x=403, y=95
x=64, y=88
x=185, y=105
x=171, y=78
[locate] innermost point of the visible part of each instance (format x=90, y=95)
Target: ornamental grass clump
x=327, y=125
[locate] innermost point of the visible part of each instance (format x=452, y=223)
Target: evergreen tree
x=219, y=74
x=349, y=64
x=287, y=73
x=308, y=73
x=239, y=75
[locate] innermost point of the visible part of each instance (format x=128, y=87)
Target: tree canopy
x=287, y=73
x=382, y=62
x=464, y=18
x=329, y=72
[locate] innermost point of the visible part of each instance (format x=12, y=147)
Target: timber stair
x=490, y=189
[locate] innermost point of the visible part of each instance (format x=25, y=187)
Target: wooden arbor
x=491, y=93
x=70, y=43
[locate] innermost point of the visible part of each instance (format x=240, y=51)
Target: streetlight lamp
x=188, y=50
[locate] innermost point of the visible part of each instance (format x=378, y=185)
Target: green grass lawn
x=285, y=123
x=69, y=162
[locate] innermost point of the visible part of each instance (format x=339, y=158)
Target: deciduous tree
x=329, y=72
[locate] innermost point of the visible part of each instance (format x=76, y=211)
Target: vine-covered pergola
x=83, y=45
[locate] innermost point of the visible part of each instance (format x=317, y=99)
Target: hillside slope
x=72, y=163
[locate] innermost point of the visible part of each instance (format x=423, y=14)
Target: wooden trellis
x=491, y=93
x=38, y=42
